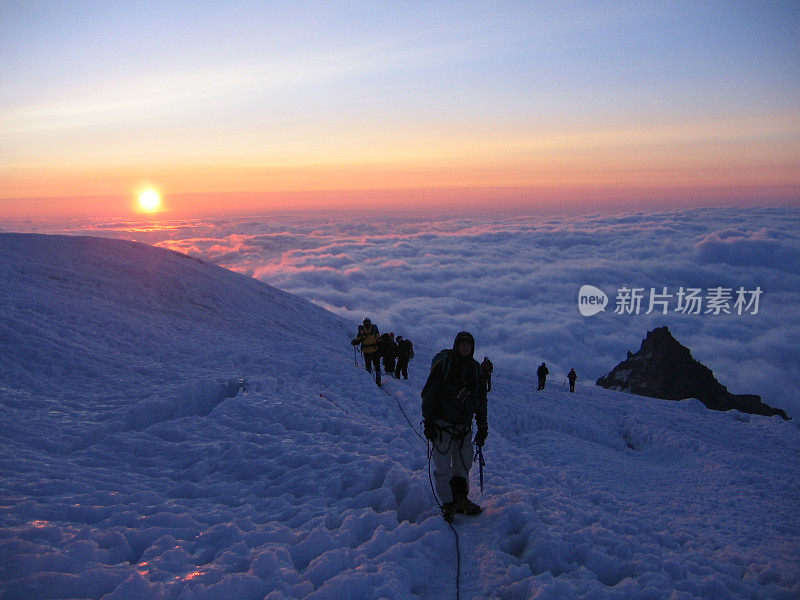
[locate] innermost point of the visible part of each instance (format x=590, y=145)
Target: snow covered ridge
x=133, y=465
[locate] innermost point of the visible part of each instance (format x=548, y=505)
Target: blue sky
x=549, y=97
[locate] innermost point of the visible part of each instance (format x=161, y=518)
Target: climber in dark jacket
x=541, y=373
x=454, y=395
x=572, y=376
x=405, y=352
x=388, y=350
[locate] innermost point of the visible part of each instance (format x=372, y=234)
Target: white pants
x=451, y=458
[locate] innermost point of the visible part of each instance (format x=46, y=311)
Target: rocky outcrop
x=663, y=368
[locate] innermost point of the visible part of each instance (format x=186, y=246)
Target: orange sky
x=335, y=108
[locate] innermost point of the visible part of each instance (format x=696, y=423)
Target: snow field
x=133, y=464
x=279, y=485
x=642, y=496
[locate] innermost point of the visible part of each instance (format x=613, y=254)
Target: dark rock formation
x=663, y=368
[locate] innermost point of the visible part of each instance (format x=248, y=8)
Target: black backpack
x=445, y=356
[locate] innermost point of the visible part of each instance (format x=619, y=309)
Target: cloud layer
x=514, y=282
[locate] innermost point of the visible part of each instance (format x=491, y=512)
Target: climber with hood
x=454, y=395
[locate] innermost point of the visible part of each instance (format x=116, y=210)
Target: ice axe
x=481, y=462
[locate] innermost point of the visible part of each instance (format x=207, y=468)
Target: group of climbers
x=454, y=395
x=374, y=346
x=395, y=353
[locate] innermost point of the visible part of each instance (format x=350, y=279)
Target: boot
x=468, y=507
x=448, y=511
x=463, y=505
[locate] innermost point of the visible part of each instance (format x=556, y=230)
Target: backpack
x=440, y=356
x=444, y=355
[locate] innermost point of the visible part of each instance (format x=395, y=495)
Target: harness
x=455, y=433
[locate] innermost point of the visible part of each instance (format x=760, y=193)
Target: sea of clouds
x=514, y=281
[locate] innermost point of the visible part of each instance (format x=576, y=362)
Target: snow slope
x=133, y=466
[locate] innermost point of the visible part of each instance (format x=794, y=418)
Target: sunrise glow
x=519, y=103
x=149, y=200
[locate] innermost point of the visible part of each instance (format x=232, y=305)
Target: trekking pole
x=355, y=360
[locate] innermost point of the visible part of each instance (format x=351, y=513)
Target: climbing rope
x=400, y=406
x=334, y=403
x=430, y=446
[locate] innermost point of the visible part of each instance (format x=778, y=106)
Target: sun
x=149, y=200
